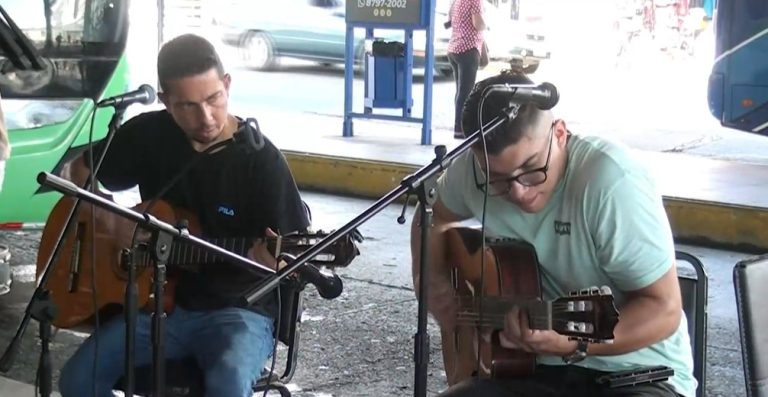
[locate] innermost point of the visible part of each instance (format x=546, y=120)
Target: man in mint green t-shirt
x=594, y=216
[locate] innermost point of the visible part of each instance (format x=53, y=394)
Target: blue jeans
x=230, y=345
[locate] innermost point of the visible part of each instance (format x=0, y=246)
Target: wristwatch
x=579, y=354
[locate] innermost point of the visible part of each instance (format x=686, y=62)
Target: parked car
x=514, y=38
x=313, y=30
x=521, y=43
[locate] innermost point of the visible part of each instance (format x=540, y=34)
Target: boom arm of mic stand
x=409, y=184
x=421, y=183
x=146, y=220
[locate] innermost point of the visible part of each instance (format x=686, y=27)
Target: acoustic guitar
x=510, y=279
x=71, y=279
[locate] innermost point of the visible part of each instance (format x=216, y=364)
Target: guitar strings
x=477, y=317
x=473, y=321
x=502, y=316
x=504, y=307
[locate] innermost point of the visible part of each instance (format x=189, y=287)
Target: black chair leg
x=275, y=385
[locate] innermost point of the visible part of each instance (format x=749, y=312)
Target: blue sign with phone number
x=385, y=11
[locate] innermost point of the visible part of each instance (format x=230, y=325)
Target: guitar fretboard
x=184, y=253
x=190, y=257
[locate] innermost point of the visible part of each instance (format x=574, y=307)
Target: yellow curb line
x=738, y=227
x=697, y=222
x=341, y=175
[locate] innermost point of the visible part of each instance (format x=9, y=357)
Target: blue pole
x=349, y=65
x=429, y=69
x=408, y=79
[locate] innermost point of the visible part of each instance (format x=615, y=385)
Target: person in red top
x=464, y=52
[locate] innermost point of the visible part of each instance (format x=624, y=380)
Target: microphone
x=145, y=95
x=328, y=286
x=544, y=95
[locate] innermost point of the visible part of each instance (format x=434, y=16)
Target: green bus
x=57, y=59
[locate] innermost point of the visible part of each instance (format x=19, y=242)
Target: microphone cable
x=510, y=113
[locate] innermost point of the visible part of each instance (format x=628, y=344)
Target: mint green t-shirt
x=604, y=225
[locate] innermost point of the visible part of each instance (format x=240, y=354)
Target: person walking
x=464, y=47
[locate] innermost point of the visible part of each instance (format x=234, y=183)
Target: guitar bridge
x=74, y=260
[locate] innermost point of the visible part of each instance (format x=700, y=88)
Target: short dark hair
x=528, y=116
x=184, y=56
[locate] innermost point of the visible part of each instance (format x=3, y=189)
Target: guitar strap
x=187, y=167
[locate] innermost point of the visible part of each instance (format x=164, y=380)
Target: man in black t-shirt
x=196, y=156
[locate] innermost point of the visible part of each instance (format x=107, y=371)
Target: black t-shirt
x=237, y=191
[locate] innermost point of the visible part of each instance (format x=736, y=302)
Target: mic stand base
x=131, y=299
x=160, y=247
x=426, y=192
x=43, y=311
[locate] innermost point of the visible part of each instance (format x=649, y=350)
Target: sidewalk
x=12, y=388
x=711, y=202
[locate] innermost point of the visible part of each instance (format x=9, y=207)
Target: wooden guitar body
x=511, y=269
x=488, y=284
x=71, y=280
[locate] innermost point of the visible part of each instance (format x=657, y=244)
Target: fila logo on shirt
x=563, y=228
x=226, y=211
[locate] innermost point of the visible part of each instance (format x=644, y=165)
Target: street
x=650, y=100
x=361, y=344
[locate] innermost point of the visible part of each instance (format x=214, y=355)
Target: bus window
x=79, y=42
x=56, y=59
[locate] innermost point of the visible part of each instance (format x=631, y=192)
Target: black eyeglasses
x=501, y=187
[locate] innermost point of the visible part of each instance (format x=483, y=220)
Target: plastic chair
x=750, y=281
x=694, y=296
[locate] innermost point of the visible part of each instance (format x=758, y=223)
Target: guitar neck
x=190, y=256
x=184, y=253
x=491, y=311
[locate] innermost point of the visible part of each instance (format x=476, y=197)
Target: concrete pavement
x=361, y=344
x=709, y=201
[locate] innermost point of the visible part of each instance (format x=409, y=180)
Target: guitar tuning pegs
x=606, y=290
x=579, y=327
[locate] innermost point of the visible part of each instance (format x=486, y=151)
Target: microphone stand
x=163, y=235
x=40, y=306
x=422, y=183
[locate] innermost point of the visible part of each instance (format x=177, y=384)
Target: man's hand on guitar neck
x=517, y=335
x=259, y=252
